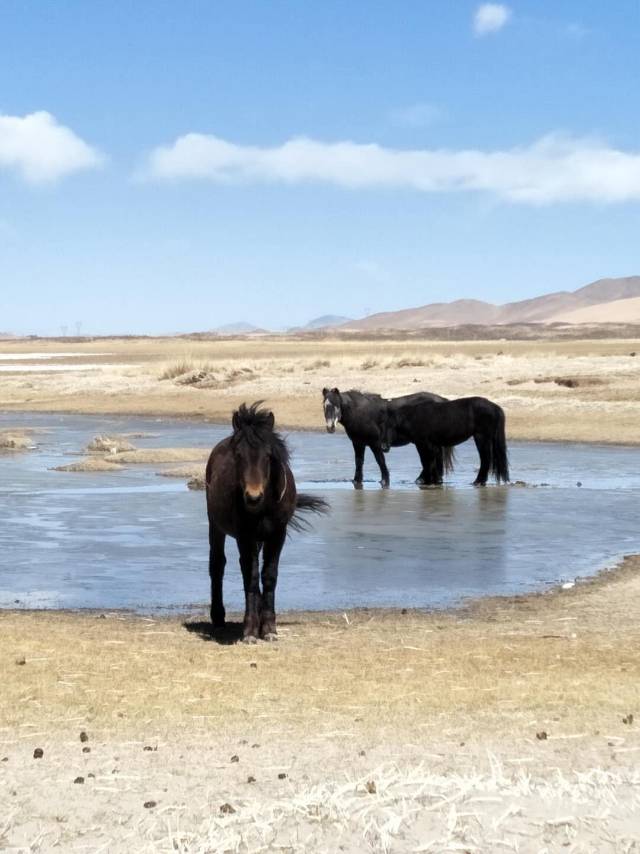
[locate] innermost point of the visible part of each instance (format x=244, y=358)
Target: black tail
x=499, y=459
x=307, y=503
x=448, y=459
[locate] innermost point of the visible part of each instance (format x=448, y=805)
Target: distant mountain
x=239, y=328
x=616, y=311
x=327, y=321
x=549, y=308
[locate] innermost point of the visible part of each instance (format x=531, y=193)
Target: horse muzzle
x=253, y=501
x=331, y=428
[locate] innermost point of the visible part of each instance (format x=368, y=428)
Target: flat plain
x=509, y=724
x=556, y=390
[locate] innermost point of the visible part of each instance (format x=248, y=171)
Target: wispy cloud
x=40, y=150
x=416, y=115
x=556, y=168
x=490, y=17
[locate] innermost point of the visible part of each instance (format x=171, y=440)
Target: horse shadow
x=229, y=635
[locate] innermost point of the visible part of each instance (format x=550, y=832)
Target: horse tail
x=307, y=503
x=448, y=458
x=499, y=458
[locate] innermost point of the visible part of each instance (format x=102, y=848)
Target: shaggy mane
x=253, y=425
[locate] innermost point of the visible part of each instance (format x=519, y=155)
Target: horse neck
x=346, y=410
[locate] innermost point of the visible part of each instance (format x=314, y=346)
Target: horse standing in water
x=430, y=425
x=251, y=496
x=364, y=416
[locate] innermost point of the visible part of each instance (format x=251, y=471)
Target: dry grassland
x=552, y=390
x=506, y=726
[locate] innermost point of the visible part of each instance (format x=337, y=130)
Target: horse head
x=253, y=450
x=332, y=403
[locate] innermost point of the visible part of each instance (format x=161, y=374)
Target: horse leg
x=272, y=548
x=249, y=553
x=358, y=449
x=384, y=471
x=217, y=563
x=438, y=465
x=483, y=444
x=427, y=476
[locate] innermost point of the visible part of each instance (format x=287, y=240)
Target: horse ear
x=270, y=420
x=335, y=391
x=235, y=421
x=325, y=391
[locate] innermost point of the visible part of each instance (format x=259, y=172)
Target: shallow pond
x=135, y=540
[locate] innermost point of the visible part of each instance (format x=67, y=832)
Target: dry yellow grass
x=15, y=440
x=160, y=455
x=573, y=653
x=506, y=726
x=603, y=405
x=89, y=464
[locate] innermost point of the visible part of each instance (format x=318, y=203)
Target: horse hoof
x=270, y=637
x=249, y=639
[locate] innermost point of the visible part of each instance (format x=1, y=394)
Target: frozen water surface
x=132, y=539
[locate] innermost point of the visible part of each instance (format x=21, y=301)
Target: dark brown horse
x=251, y=496
x=431, y=425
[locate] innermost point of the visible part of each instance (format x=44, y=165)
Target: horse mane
x=254, y=425
x=370, y=395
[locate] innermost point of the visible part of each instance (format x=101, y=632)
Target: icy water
x=131, y=539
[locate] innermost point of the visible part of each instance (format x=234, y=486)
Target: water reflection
x=131, y=539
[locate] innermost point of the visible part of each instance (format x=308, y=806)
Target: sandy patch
x=90, y=464
x=16, y=440
x=615, y=311
x=186, y=471
x=193, y=474
x=109, y=444
x=162, y=455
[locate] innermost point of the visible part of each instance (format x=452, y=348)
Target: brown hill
x=616, y=311
x=548, y=308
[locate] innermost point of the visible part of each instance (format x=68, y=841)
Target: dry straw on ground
x=583, y=390
x=506, y=726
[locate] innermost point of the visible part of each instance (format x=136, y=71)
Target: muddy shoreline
x=625, y=567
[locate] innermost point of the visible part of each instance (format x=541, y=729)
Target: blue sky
x=206, y=162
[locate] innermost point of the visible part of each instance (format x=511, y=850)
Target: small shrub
x=410, y=363
x=185, y=366
x=319, y=363
x=368, y=364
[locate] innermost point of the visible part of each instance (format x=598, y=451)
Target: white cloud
x=490, y=17
x=556, y=168
x=40, y=150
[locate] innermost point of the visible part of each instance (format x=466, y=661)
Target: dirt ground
x=583, y=390
x=507, y=725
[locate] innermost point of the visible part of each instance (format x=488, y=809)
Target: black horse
x=364, y=416
x=431, y=424
x=251, y=495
